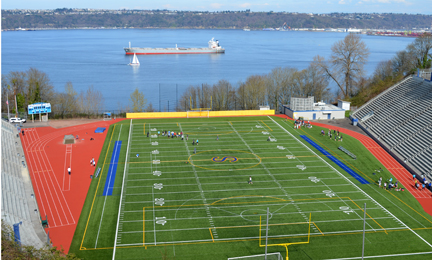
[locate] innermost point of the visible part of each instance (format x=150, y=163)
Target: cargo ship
x=213, y=47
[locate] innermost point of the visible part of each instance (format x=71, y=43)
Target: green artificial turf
x=178, y=204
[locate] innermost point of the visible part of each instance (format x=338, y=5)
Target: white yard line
x=355, y=186
x=154, y=216
x=121, y=193
x=214, y=231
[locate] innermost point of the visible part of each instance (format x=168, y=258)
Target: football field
x=163, y=197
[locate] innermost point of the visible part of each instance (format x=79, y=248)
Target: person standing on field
x=69, y=170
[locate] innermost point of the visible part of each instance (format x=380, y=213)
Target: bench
x=97, y=172
x=347, y=152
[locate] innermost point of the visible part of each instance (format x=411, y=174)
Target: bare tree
x=346, y=63
x=403, y=63
x=188, y=100
x=150, y=108
x=221, y=95
x=137, y=101
x=285, y=79
x=66, y=102
x=278, y=82
x=204, y=95
x=383, y=70
x=253, y=92
x=38, y=88
x=421, y=49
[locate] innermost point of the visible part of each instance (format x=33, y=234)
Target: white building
x=345, y=105
x=308, y=110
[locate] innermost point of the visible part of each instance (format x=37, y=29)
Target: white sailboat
x=135, y=61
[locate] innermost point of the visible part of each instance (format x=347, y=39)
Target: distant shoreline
x=371, y=32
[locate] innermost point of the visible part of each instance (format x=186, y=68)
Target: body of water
x=96, y=57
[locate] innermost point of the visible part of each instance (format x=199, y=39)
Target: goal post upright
x=285, y=244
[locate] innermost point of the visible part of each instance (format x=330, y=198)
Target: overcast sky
x=303, y=6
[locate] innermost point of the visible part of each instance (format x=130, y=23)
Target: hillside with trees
x=79, y=18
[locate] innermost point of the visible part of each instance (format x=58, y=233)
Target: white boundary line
x=379, y=256
x=356, y=186
x=121, y=193
x=109, y=182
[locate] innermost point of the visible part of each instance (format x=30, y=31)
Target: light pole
x=7, y=100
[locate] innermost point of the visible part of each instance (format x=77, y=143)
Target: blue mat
x=100, y=130
x=335, y=160
x=109, y=183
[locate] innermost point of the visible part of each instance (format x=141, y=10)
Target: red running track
x=59, y=195
x=393, y=166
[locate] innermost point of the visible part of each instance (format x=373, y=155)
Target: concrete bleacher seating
x=16, y=201
x=402, y=120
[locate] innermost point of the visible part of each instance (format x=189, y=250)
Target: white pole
x=7, y=101
x=16, y=107
x=364, y=230
x=266, y=233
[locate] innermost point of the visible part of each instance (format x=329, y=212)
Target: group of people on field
x=389, y=185
x=299, y=123
x=337, y=136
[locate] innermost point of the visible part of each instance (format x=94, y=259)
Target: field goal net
x=198, y=114
x=270, y=256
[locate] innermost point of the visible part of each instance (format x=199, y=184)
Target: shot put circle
x=224, y=160
x=254, y=215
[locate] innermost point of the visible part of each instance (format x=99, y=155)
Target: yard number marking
x=280, y=147
x=346, y=210
x=153, y=129
x=161, y=220
x=157, y=173
x=156, y=161
x=158, y=186
x=154, y=136
x=301, y=167
x=160, y=201
x=290, y=157
x=314, y=179
x=155, y=152
x=329, y=193
x=155, y=143
x=265, y=132
x=258, y=126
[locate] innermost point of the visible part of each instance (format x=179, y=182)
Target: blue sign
x=17, y=232
x=39, y=108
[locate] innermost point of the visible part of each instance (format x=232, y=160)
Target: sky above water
x=305, y=6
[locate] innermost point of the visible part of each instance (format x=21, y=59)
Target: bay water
x=96, y=57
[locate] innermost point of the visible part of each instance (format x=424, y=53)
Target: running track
x=59, y=195
x=393, y=166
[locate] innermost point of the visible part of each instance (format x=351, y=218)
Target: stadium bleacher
x=402, y=121
x=17, y=204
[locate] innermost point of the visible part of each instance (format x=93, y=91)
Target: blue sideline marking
x=335, y=160
x=109, y=183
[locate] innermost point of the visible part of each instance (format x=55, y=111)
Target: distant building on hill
x=308, y=110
